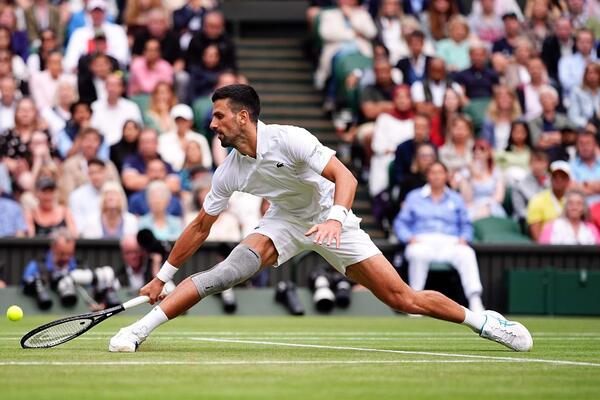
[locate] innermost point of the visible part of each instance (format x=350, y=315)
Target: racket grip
x=135, y=302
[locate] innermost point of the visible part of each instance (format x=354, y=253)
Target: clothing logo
x=279, y=164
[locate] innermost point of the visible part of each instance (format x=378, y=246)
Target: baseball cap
x=561, y=166
x=94, y=4
x=182, y=111
x=45, y=183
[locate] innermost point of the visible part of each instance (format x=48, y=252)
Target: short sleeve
x=303, y=147
x=535, y=212
x=218, y=197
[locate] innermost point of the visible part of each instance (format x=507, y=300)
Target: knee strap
x=240, y=265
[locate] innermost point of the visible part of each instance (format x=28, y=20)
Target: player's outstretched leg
x=378, y=275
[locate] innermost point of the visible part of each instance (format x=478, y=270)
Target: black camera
x=37, y=289
x=285, y=294
x=323, y=297
x=65, y=287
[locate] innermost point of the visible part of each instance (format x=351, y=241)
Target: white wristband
x=167, y=272
x=338, y=213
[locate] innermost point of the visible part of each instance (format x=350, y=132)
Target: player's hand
x=326, y=232
x=153, y=290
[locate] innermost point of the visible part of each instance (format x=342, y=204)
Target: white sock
x=152, y=320
x=475, y=303
x=473, y=320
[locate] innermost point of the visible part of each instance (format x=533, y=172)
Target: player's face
x=225, y=123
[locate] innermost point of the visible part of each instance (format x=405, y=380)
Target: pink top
x=142, y=79
x=560, y=231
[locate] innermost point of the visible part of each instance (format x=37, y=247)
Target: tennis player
x=311, y=194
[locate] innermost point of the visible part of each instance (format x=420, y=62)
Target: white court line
x=322, y=338
x=421, y=353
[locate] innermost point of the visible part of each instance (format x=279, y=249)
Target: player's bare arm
x=188, y=243
x=345, y=189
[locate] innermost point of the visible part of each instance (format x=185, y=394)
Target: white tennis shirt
x=286, y=171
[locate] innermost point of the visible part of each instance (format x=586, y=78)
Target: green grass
x=172, y=365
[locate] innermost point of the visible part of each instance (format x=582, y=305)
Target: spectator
x=79, y=43
x=566, y=150
x=534, y=182
x=432, y=233
x=19, y=42
x=212, y=33
x=428, y=94
x=41, y=159
x=545, y=129
x=547, y=205
x=573, y=226
x=110, y=115
x=514, y=159
x=579, y=13
x=484, y=190
x=127, y=145
x=93, y=71
x=571, y=68
x=529, y=93
x=503, y=110
x=74, y=169
x=517, y=73
x=149, y=69
x=12, y=222
x=172, y=144
x=36, y=62
x=389, y=24
x=59, y=113
x=48, y=215
x=485, y=23
x=452, y=106
x=81, y=16
x=111, y=220
x=67, y=141
x=162, y=225
x=188, y=20
x=204, y=76
x=405, y=152
x=585, y=99
x=416, y=176
x=8, y=103
x=585, y=168
x=158, y=114
x=539, y=22
x=15, y=62
x=192, y=168
x=414, y=67
x=85, y=200
x=512, y=31
x=437, y=16
x=138, y=201
x=136, y=269
x=455, y=49
x=41, y=15
x=137, y=15
x=559, y=45
x=457, y=152
x=409, y=24
x=134, y=175
x=342, y=26
x=43, y=85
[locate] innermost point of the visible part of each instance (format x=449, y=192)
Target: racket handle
x=135, y=302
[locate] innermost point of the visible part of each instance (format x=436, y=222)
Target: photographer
x=138, y=266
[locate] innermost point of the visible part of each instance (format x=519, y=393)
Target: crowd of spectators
x=506, y=98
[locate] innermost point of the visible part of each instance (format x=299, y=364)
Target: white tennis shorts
x=288, y=237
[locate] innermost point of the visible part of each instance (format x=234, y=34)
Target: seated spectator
x=204, y=76
x=452, y=107
x=389, y=23
x=36, y=62
x=162, y=225
x=109, y=115
x=127, y=145
x=431, y=233
x=148, y=69
x=43, y=85
x=571, y=68
x=567, y=149
x=79, y=43
x=19, y=42
x=512, y=31
x=435, y=19
x=42, y=15
x=212, y=33
x=414, y=67
x=485, y=23
x=529, y=94
x=85, y=200
x=74, y=169
x=92, y=73
x=539, y=22
x=12, y=222
x=134, y=172
x=502, y=111
x=483, y=191
x=535, y=181
x=111, y=220
x=405, y=152
x=48, y=215
x=558, y=45
x=14, y=62
x=136, y=15
x=416, y=176
x=172, y=144
x=156, y=170
x=456, y=154
x=455, y=49
x=401, y=49
x=548, y=204
x=573, y=226
x=68, y=139
x=517, y=73
x=137, y=267
x=585, y=168
x=158, y=114
x=8, y=102
x=545, y=129
x=514, y=159
x=59, y=113
x=192, y=166
x=428, y=94
x=585, y=99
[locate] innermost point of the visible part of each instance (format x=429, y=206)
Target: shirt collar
x=262, y=142
x=426, y=191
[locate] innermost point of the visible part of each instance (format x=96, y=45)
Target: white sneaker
x=128, y=339
x=509, y=333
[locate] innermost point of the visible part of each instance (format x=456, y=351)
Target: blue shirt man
x=12, y=222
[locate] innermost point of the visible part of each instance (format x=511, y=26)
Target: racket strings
x=56, y=334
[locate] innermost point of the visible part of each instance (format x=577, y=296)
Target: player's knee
x=241, y=264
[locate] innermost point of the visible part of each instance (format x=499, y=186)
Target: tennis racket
x=65, y=329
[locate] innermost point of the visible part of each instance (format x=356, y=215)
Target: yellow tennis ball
x=14, y=313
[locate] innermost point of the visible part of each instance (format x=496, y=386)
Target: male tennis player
x=311, y=194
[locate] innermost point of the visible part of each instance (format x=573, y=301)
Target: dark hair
x=417, y=34
x=525, y=125
x=437, y=162
x=539, y=154
x=96, y=161
x=79, y=103
x=241, y=97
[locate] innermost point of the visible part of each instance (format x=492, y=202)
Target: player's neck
x=248, y=142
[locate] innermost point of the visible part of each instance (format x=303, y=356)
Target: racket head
x=62, y=330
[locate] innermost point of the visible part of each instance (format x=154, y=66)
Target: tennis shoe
x=128, y=339
x=511, y=334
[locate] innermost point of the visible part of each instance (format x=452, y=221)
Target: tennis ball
x=14, y=313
